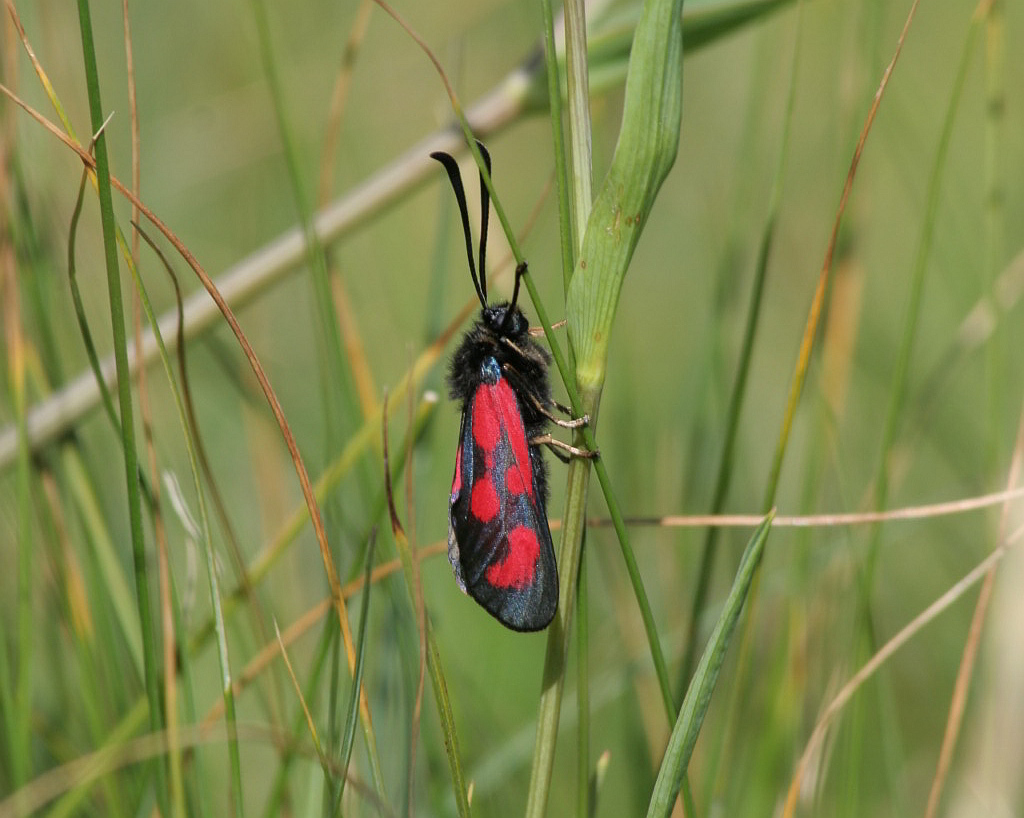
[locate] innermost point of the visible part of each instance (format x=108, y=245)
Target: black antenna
x=485, y=209
x=452, y=167
x=520, y=271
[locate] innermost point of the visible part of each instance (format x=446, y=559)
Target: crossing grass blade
x=698, y=696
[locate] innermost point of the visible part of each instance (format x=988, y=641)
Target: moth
x=499, y=543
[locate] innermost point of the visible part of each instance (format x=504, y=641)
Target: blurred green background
x=213, y=169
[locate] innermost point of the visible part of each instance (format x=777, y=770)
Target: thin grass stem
x=352, y=714
x=16, y=698
x=130, y=454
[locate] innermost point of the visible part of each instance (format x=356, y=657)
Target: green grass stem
x=573, y=213
x=554, y=98
x=582, y=692
x=149, y=636
x=698, y=696
x=577, y=89
x=352, y=714
x=610, y=40
x=331, y=632
x=647, y=146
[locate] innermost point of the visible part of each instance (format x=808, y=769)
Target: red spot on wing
x=486, y=418
x=517, y=569
x=483, y=502
x=496, y=414
x=514, y=482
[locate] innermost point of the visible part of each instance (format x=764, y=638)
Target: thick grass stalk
x=130, y=454
x=646, y=150
x=581, y=188
x=582, y=693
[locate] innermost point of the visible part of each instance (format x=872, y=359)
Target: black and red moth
x=499, y=543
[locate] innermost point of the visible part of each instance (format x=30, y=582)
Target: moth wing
x=499, y=543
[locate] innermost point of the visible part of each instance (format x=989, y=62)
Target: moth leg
x=574, y=423
x=567, y=410
x=538, y=331
x=563, y=451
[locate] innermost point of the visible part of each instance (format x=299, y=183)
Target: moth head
x=505, y=319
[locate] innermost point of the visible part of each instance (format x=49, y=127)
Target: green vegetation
x=226, y=589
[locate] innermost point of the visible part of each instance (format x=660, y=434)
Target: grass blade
x=698, y=696
x=348, y=736
x=149, y=637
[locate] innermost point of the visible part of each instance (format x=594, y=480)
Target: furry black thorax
x=523, y=361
